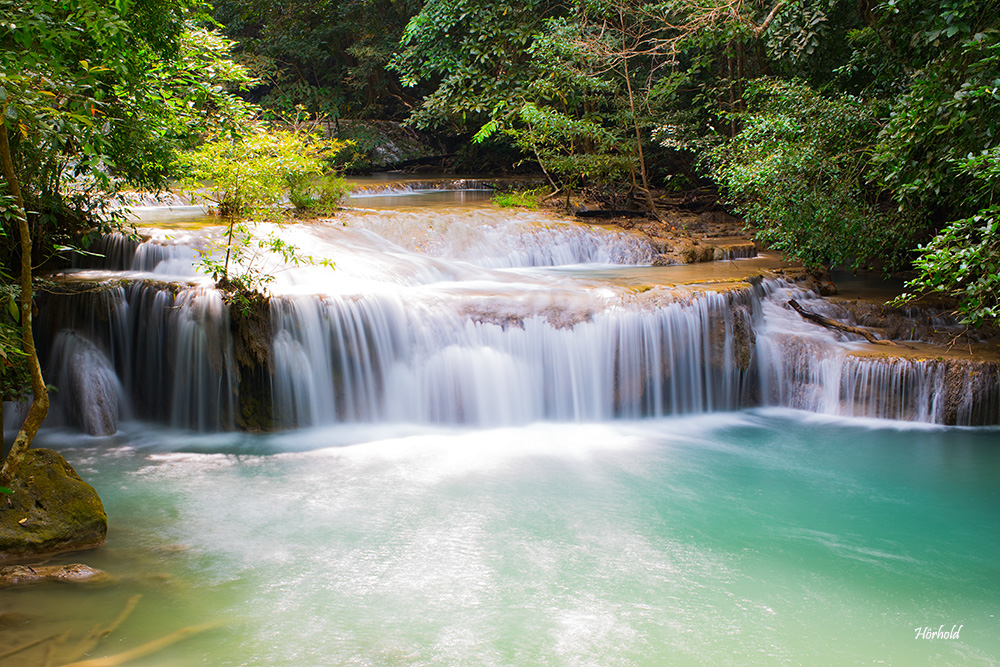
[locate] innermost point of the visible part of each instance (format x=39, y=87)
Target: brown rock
x=12, y=575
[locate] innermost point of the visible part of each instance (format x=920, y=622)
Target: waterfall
x=119, y=252
x=90, y=394
x=385, y=358
x=170, y=349
x=460, y=317
x=806, y=367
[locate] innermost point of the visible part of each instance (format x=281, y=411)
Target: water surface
x=762, y=537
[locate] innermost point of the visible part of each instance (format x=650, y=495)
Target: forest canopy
x=847, y=132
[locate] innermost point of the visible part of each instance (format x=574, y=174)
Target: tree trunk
x=39, y=394
x=650, y=202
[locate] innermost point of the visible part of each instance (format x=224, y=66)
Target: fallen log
x=840, y=326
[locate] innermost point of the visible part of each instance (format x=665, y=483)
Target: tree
x=329, y=56
x=250, y=176
x=799, y=171
x=39, y=406
x=93, y=94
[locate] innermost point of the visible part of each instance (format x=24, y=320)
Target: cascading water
x=471, y=317
x=388, y=358
x=93, y=394
x=476, y=486
x=171, y=352
x=810, y=368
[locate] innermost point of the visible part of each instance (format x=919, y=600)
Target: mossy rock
x=51, y=510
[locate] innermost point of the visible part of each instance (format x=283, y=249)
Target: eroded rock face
x=51, y=510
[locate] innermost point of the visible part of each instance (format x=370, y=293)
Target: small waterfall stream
x=459, y=316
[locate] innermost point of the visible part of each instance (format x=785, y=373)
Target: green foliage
x=518, y=198
x=318, y=196
x=99, y=94
x=812, y=40
x=963, y=261
x=950, y=112
x=14, y=380
x=328, y=56
x=251, y=175
x=571, y=149
x=798, y=171
x=475, y=53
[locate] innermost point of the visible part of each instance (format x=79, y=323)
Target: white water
x=470, y=316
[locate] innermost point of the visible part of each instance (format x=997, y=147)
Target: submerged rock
x=51, y=510
x=13, y=575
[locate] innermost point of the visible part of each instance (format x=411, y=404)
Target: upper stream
x=501, y=438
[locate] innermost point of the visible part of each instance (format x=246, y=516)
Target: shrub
x=252, y=174
x=518, y=198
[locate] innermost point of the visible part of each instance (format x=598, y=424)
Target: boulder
x=51, y=510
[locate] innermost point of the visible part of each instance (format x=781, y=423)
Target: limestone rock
x=51, y=510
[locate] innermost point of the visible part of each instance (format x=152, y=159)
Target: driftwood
x=840, y=326
x=144, y=650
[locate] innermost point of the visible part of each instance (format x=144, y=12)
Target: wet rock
x=972, y=392
x=734, y=250
x=664, y=260
x=744, y=337
x=695, y=252
x=13, y=575
x=51, y=510
x=250, y=327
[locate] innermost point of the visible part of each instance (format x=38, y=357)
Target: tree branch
x=840, y=326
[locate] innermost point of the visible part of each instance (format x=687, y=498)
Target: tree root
x=96, y=634
x=840, y=326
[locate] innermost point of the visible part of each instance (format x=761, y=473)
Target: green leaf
x=4, y=489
